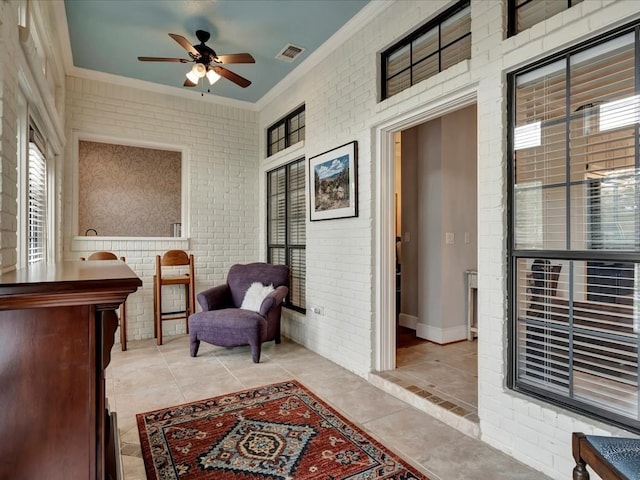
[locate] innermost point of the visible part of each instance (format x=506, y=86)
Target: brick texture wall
x=341, y=105
x=225, y=165
x=8, y=143
x=220, y=161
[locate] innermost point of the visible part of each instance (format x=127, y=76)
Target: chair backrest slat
x=174, y=257
x=103, y=256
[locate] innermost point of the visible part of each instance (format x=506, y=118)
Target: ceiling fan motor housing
x=207, y=54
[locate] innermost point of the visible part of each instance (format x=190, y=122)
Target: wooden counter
x=57, y=326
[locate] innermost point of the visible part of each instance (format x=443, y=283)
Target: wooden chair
x=611, y=458
x=123, y=308
x=543, y=286
x=165, y=275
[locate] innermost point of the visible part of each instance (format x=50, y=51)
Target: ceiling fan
x=206, y=61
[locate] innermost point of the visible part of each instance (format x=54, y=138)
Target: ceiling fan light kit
x=192, y=77
x=212, y=76
x=199, y=69
x=207, y=62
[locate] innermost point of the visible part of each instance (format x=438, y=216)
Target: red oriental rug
x=275, y=432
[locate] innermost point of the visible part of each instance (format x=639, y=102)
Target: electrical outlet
x=317, y=310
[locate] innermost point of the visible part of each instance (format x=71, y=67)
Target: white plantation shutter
x=575, y=238
x=37, y=200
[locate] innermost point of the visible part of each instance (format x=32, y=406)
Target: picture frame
x=333, y=183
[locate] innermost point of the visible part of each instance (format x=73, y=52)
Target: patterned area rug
x=276, y=432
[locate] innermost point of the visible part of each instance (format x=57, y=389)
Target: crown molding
x=192, y=94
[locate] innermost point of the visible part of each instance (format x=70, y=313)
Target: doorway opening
x=427, y=242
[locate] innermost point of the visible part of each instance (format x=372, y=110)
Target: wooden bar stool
x=164, y=277
x=123, y=309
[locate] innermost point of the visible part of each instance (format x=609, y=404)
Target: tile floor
x=439, y=379
x=147, y=377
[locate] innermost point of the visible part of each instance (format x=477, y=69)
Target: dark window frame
x=513, y=254
x=512, y=13
x=408, y=41
x=288, y=131
x=286, y=246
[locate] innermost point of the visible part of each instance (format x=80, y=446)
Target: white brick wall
x=18, y=61
x=340, y=96
x=8, y=132
x=221, y=152
x=225, y=148
x=531, y=431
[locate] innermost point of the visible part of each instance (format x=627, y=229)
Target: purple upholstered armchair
x=222, y=322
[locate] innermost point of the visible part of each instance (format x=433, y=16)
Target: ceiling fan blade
x=185, y=44
x=236, y=58
x=163, y=59
x=234, y=77
x=188, y=83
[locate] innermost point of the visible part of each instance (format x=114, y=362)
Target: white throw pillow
x=256, y=293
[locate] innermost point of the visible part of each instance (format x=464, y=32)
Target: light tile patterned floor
x=146, y=377
x=446, y=375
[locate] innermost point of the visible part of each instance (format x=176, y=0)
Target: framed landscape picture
x=333, y=181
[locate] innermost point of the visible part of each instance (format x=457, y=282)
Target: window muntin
x=526, y=13
x=286, y=132
x=439, y=44
x=575, y=229
x=286, y=227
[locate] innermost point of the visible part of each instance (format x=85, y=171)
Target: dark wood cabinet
x=57, y=326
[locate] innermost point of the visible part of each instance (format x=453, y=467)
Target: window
x=574, y=228
x=526, y=13
x=37, y=199
x=439, y=44
x=286, y=132
x=286, y=229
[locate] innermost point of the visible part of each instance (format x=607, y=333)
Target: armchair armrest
x=215, y=298
x=274, y=299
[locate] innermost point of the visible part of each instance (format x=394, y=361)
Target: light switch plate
x=449, y=238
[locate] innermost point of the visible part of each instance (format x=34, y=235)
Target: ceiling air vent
x=289, y=53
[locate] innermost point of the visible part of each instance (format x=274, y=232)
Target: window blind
x=297, y=233
x=287, y=226
x=526, y=13
x=575, y=234
x=439, y=44
x=287, y=131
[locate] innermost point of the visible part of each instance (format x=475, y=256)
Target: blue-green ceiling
x=108, y=36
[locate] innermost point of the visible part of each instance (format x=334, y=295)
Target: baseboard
x=408, y=321
x=441, y=335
